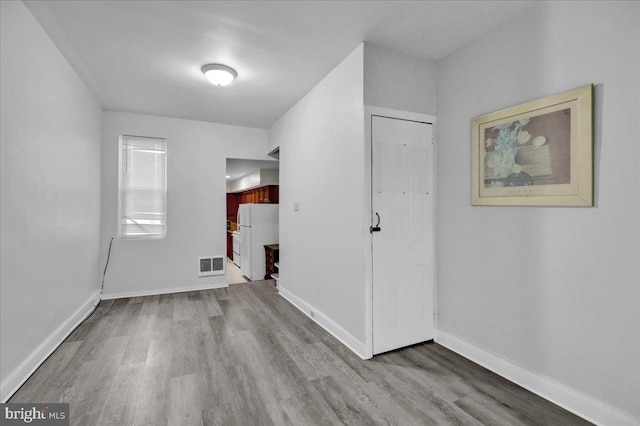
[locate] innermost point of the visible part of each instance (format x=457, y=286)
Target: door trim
x=369, y=112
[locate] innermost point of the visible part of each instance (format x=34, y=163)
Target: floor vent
x=212, y=266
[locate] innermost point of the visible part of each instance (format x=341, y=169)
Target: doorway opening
x=249, y=228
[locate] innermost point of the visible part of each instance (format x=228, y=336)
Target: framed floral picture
x=536, y=154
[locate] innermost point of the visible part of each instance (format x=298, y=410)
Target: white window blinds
x=143, y=188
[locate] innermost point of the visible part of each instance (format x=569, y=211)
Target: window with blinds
x=142, y=200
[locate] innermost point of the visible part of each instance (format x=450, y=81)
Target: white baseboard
x=567, y=398
x=20, y=375
x=121, y=295
x=327, y=323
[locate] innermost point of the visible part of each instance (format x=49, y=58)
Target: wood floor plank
x=535, y=409
x=489, y=412
x=151, y=403
x=44, y=382
x=345, y=404
x=95, y=380
x=221, y=330
x=269, y=384
x=221, y=415
x=211, y=304
x=307, y=408
x=183, y=308
x=126, y=319
x=245, y=403
x=243, y=355
x=165, y=308
x=141, y=337
x=96, y=319
x=125, y=387
x=186, y=354
x=404, y=369
x=185, y=401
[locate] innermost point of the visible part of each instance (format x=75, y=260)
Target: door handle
x=376, y=228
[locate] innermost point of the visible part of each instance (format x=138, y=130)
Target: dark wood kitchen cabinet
x=232, y=206
x=268, y=194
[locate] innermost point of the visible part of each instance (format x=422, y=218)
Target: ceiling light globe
x=218, y=74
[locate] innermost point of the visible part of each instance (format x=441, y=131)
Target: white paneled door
x=402, y=231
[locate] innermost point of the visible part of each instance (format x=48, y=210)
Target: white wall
x=50, y=209
x=397, y=81
x=555, y=291
x=322, y=160
x=196, y=202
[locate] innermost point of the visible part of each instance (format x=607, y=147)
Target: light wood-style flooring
x=245, y=356
x=234, y=274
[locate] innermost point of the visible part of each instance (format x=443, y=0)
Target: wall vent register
x=212, y=266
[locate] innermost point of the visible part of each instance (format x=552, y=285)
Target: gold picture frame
x=536, y=154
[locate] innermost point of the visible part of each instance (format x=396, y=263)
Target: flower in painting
x=523, y=137
x=502, y=161
x=505, y=139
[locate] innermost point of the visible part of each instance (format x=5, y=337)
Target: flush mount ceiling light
x=219, y=74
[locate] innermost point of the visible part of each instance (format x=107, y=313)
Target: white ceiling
x=145, y=56
x=238, y=167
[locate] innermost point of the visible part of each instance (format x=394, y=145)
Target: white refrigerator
x=258, y=224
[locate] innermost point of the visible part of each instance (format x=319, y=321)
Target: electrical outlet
x=296, y=206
